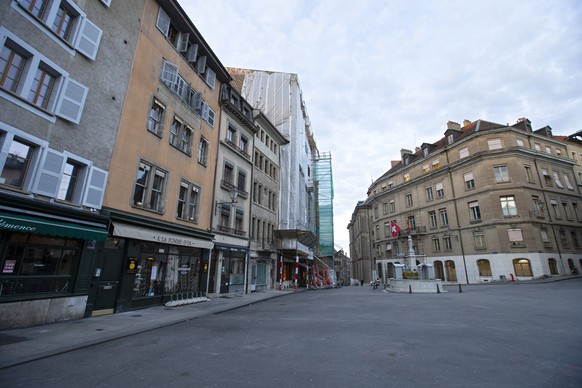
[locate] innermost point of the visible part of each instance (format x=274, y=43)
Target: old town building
x=486, y=202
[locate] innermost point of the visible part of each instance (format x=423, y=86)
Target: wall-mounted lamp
x=233, y=194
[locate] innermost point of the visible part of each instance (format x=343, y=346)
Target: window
x=231, y=134
x=448, y=246
x=450, y=139
x=429, y=193
x=208, y=114
x=425, y=168
x=406, y=177
x=239, y=222
x=444, y=217
x=576, y=210
x=474, y=211
x=547, y=178
x=515, y=237
x=537, y=147
x=563, y=239
x=242, y=182
x=64, y=21
x=463, y=153
x=156, y=117
x=33, y=82
x=243, y=144
x=544, y=236
x=436, y=244
x=501, y=173
x=494, y=144
x=519, y=142
x=409, y=201
x=436, y=164
x=384, y=208
x=528, y=174
x=203, y=151
x=16, y=167
x=69, y=181
x=469, y=181
x=149, y=187
x=228, y=176
x=188, y=198
x=557, y=180
x=181, y=136
x=567, y=210
x=522, y=267
x=432, y=219
x=508, y=206
x=392, y=206
x=548, y=150
x=484, y=267
x=555, y=208
x=479, y=239
x=440, y=190
x=575, y=241
x=568, y=183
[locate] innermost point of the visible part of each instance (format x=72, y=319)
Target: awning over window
x=31, y=224
x=140, y=233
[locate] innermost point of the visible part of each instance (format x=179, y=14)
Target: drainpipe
x=457, y=217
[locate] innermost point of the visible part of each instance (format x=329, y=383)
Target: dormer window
x=450, y=139
x=425, y=151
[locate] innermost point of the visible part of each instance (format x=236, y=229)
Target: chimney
x=453, y=125
x=466, y=122
x=394, y=163
x=404, y=151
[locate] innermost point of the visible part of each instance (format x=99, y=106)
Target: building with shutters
x=161, y=181
x=486, y=202
x=60, y=106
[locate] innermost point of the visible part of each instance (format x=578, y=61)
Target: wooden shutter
x=169, y=74
x=192, y=53
x=71, y=100
x=95, y=188
x=48, y=178
x=201, y=64
x=89, y=39
x=210, y=77
x=182, y=45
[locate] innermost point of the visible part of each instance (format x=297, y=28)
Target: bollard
x=410, y=288
x=438, y=289
x=460, y=289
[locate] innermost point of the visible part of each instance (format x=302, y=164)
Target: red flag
x=394, y=228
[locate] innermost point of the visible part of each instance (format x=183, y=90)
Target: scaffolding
x=323, y=183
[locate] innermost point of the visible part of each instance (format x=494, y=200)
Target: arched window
x=522, y=267
x=484, y=267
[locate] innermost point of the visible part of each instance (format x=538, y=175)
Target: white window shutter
x=163, y=22
x=210, y=77
x=71, y=100
x=95, y=188
x=201, y=64
x=183, y=42
x=169, y=73
x=192, y=53
x=196, y=101
x=205, y=108
x=48, y=178
x=89, y=38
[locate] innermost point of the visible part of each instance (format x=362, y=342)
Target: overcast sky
x=381, y=75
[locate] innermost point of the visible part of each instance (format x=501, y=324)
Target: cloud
x=378, y=75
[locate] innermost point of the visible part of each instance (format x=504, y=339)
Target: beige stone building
x=486, y=202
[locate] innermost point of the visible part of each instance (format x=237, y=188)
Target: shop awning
x=140, y=233
x=31, y=224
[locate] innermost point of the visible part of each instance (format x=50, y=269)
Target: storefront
x=231, y=261
x=45, y=263
x=148, y=262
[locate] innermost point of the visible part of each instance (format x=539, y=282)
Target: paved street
x=511, y=335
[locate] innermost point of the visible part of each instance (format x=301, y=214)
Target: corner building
x=60, y=106
x=486, y=202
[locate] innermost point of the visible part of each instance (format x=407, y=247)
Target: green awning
x=30, y=224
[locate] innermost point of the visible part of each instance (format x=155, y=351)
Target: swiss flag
x=394, y=228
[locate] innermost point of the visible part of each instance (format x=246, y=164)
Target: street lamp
x=233, y=194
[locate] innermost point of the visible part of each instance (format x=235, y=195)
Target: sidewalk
x=18, y=346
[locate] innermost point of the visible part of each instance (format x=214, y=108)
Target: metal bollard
x=410, y=288
x=438, y=289
x=460, y=289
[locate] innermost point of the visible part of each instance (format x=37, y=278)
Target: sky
x=381, y=75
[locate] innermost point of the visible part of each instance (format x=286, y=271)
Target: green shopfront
x=46, y=258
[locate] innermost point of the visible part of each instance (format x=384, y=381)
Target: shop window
x=522, y=267
x=38, y=265
x=484, y=267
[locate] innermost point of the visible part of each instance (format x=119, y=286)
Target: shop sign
x=184, y=269
x=132, y=265
x=16, y=227
x=9, y=266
